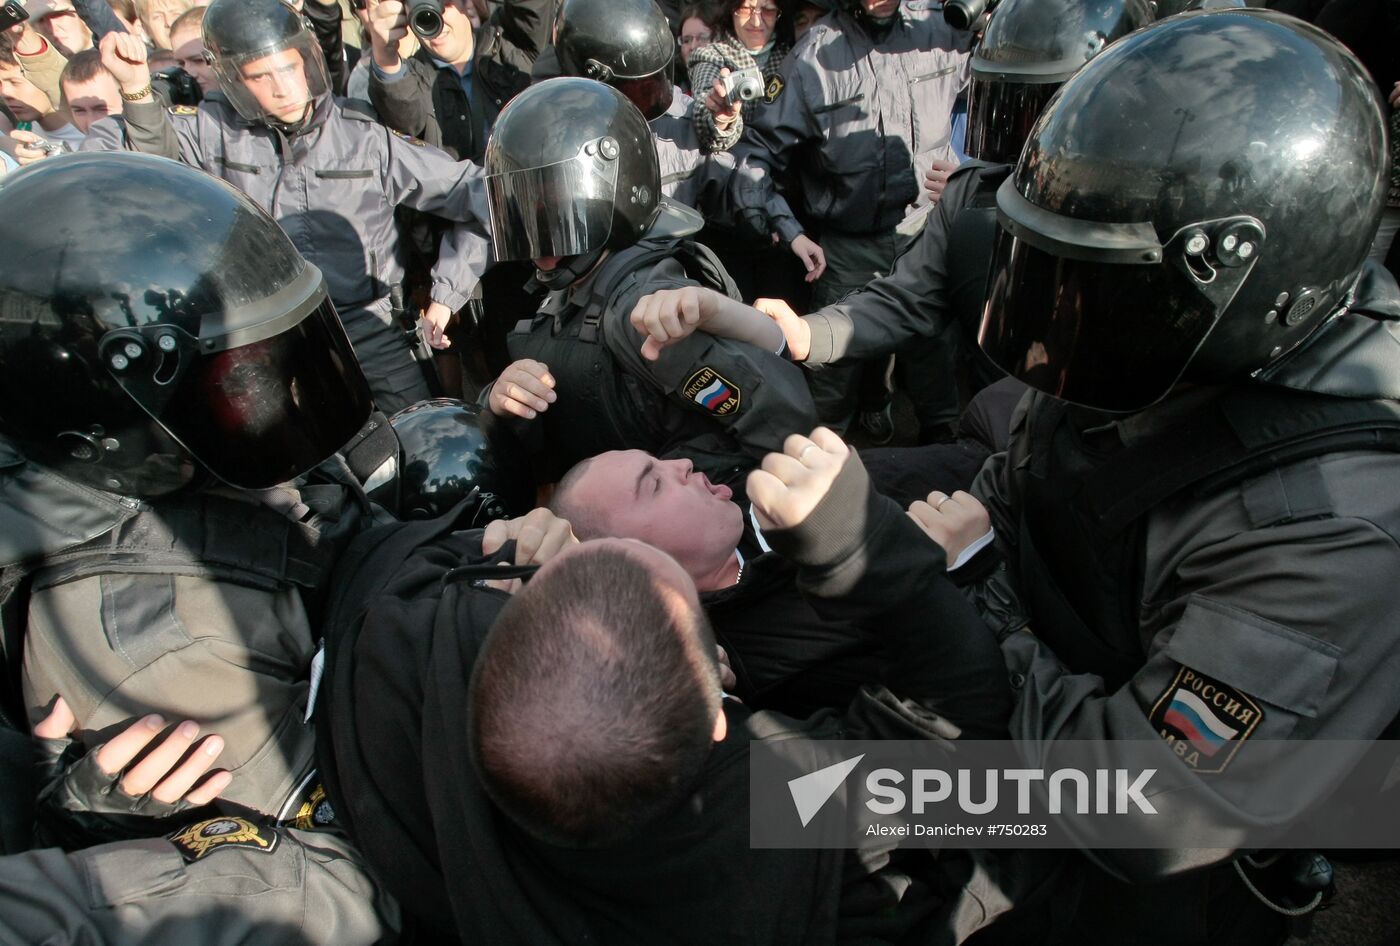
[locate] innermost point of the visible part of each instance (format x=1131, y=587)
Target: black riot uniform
x=587, y=192
x=1199, y=492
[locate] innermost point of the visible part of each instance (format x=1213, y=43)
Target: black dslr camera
x=175, y=86
x=425, y=17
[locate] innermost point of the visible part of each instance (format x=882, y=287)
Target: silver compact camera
x=743, y=85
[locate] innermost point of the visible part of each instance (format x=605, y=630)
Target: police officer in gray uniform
x=148, y=344
x=325, y=169
x=1198, y=498
x=866, y=107
x=939, y=282
x=220, y=882
x=582, y=202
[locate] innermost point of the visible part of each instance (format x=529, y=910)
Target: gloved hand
x=105, y=795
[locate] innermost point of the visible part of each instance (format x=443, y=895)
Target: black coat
x=429, y=102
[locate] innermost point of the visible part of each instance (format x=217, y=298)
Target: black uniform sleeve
x=324, y=16
x=862, y=559
x=758, y=396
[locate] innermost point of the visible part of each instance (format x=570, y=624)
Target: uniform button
x=1018, y=680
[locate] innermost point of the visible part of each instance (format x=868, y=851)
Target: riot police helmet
x=1191, y=206
x=1028, y=51
x=570, y=170
x=451, y=452
x=267, y=61
x=625, y=43
x=145, y=339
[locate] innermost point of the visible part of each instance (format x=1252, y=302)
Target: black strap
x=203, y=535
x=14, y=610
x=1244, y=434
x=371, y=447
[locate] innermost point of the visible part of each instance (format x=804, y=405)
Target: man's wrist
x=387, y=61
x=801, y=345
x=136, y=93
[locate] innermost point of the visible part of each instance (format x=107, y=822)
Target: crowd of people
x=440, y=438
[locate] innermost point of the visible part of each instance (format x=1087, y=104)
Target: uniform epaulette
x=359, y=110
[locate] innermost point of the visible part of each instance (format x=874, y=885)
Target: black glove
x=80, y=805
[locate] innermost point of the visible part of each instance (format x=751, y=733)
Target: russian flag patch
x=1204, y=720
x=712, y=391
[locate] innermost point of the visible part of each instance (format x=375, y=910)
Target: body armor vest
x=1081, y=541
x=601, y=406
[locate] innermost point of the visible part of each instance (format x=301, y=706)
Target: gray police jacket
x=333, y=188
x=221, y=883
x=1271, y=599
x=861, y=119
x=914, y=299
x=690, y=174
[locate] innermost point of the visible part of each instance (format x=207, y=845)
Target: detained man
x=786, y=654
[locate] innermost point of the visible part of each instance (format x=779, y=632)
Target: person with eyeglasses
x=746, y=38
x=862, y=111
x=695, y=31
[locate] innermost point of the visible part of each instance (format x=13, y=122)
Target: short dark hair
x=84, y=67
x=564, y=504
x=593, y=701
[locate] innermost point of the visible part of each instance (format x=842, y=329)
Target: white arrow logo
x=810, y=792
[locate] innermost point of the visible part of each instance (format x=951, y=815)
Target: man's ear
x=721, y=725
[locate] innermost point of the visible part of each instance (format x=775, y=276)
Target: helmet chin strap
x=570, y=270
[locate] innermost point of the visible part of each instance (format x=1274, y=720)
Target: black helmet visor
x=1000, y=116
x=562, y=209
x=1102, y=314
x=256, y=414
x=651, y=94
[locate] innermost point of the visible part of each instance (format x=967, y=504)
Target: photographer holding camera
x=451, y=90
x=741, y=69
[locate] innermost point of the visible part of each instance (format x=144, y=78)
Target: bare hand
x=669, y=315
x=539, y=536
x=28, y=147
x=787, y=486
x=124, y=55
x=936, y=179
x=954, y=522
x=1395, y=96
x=724, y=111
x=388, y=23
x=811, y=256
x=160, y=773
x=794, y=328
x=524, y=389
x=433, y=324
